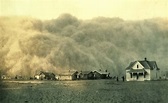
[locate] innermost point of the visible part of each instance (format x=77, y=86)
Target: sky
x=85, y=9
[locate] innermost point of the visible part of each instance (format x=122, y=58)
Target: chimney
x=145, y=59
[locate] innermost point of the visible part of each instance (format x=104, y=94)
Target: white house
x=142, y=70
x=70, y=75
x=37, y=76
x=45, y=76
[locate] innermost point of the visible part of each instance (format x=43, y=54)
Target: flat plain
x=83, y=91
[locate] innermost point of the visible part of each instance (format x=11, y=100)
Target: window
x=140, y=74
x=137, y=66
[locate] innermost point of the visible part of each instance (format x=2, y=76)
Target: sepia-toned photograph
x=83, y=51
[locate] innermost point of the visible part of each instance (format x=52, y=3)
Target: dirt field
x=90, y=91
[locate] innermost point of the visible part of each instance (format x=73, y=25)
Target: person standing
x=123, y=78
x=117, y=79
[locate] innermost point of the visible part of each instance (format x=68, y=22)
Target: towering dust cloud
x=28, y=45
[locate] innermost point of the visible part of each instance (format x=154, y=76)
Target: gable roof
x=47, y=73
x=69, y=73
x=145, y=63
x=102, y=72
x=131, y=65
x=153, y=65
x=85, y=72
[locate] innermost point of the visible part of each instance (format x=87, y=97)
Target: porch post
x=137, y=75
x=131, y=74
x=144, y=74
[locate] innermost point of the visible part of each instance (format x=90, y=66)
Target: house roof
x=145, y=63
x=102, y=72
x=46, y=73
x=69, y=73
x=85, y=72
x=131, y=65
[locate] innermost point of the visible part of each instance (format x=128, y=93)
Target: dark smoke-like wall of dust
x=28, y=45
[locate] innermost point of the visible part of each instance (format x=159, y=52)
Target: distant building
x=85, y=75
x=18, y=77
x=45, y=76
x=37, y=76
x=101, y=75
x=164, y=74
x=70, y=75
x=142, y=70
x=5, y=77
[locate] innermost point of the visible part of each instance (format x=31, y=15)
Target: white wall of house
x=140, y=77
x=128, y=76
x=148, y=77
x=37, y=77
x=65, y=77
x=137, y=65
x=134, y=77
x=155, y=74
x=42, y=76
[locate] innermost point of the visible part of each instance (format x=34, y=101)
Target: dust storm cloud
x=28, y=45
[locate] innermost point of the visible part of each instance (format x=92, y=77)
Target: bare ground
x=84, y=91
